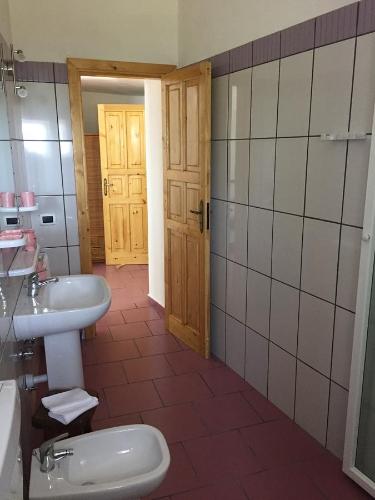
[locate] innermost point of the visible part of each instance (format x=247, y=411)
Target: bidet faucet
x=48, y=455
x=34, y=284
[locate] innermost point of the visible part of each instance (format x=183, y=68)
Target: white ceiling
x=106, y=84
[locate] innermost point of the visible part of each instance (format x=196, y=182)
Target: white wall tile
x=315, y=333
x=71, y=220
x=41, y=172
x=236, y=291
x=356, y=182
x=256, y=362
x=294, y=94
x=219, y=169
x=284, y=316
x=290, y=175
x=235, y=345
x=262, y=169
x=286, y=253
x=281, y=379
x=237, y=233
x=342, y=347
x=218, y=281
x=363, y=85
x=69, y=183
x=332, y=85
x=264, y=100
x=50, y=235
x=350, y=249
x=260, y=239
x=63, y=112
x=58, y=260
x=6, y=178
x=74, y=260
x=38, y=113
x=312, y=402
x=325, y=179
x=218, y=333
x=258, y=302
x=239, y=104
x=319, y=258
x=238, y=171
x=219, y=227
x=338, y=403
x=219, y=107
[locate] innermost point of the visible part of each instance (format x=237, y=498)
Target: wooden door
x=95, y=197
x=123, y=170
x=186, y=136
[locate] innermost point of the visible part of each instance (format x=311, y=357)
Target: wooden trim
x=94, y=67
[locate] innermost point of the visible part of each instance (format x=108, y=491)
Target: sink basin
x=74, y=302
x=116, y=463
x=58, y=313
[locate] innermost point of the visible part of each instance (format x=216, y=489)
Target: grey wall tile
x=256, y=362
x=220, y=64
x=262, y=168
x=342, y=347
x=350, y=250
x=235, y=345
x=239, y=104
x=218, y=281
x=219, y=227
x=266, y=49
x=219, y=169
x=338, y=403
x=264, y=100
x=236, y=291
x=237, y=233
x=219, y=124
x=61, y=72
x=218, y=333
x=241, y=57
x=284, y=316
x=238, y=171
x=50, y=235
x=281, y=379
x=74, y=260
x=336, y=25
x=258, y=302
x=31, y=71
x=259, y=243
x=298, y=38
x=366, y=16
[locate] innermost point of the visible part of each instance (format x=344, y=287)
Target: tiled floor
x=227, y=442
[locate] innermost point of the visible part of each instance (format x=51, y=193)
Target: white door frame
x=366, y=269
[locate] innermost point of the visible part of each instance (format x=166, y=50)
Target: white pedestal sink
x=57, y=313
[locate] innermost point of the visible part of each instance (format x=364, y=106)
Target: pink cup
x=28, y=199
x=8, y=199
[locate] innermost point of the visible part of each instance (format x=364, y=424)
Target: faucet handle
x=47, y=445
x=33, y=277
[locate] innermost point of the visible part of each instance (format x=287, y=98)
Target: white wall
x=208, y=27
x=128, y=30
x=90, y=101
x=154, y=166
x=5, y=20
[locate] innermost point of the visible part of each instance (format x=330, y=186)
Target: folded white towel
x=68, y=405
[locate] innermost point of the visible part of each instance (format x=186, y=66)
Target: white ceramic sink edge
x=74, y=302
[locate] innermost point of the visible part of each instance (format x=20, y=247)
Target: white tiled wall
x=285, y=252
x=43, y=163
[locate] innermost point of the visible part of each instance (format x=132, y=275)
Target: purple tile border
x=30, y=71
x=241, y=57
x=337, y=25
x=266, y=49
x=366, y=17
x=220, y=64
x=298, y=38
x=61, y=72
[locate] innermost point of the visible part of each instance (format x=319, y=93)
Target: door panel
x=186, y=132
x=123, y=172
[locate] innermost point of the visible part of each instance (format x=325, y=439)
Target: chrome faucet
x=48, y=455
x=34, y=284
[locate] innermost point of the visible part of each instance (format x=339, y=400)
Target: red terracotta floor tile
x=184, y=347
x=140, y=314
x=102, y=335
x=158, y=344
x=285, y=482
x=132, y=398
x=101, y=411
x=115, y=351
x=157, y=327
x=130, y=331
x=88, y=353
x=227, y=412
x=121, y=300
x=182, y=388
x=112, y=318
x=117, y=421
x=222, y=455
x=104, y=375
x=223, y=380
x=280, y=442
x=264, y=408
x=190, y=361
x=152, y=367
x=326, y=473
x=180, y=476
x=177, y=423
x=223, y=490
